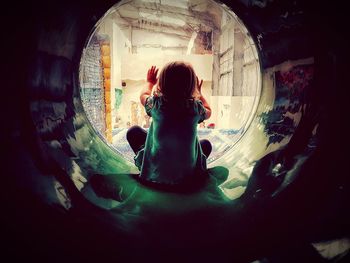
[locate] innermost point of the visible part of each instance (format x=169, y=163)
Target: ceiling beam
x=200, y=20
x=125, y=22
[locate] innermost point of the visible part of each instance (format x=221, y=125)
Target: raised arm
x=151, y=81
x=203, y=100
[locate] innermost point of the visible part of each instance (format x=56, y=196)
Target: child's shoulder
x=160, y=100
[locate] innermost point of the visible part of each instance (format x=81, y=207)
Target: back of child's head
x=177, y=81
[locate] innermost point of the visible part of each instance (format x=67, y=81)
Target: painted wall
x=135, y=66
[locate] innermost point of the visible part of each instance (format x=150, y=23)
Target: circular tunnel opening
x=58, y=129
x=133, y=35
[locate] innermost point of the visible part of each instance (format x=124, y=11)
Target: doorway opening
x=133, y=35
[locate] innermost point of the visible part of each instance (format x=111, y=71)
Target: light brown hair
x=177, y=80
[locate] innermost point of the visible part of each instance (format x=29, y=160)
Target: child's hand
x=199, y=85
x=152, y=75
x=204, y=101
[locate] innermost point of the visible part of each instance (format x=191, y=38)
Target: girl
x=170, y=153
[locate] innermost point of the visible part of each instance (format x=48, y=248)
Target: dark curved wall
x=273, y=219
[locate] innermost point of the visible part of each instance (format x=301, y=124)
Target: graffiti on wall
x=291, y=87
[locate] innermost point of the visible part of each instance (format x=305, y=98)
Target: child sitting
x=170, y=153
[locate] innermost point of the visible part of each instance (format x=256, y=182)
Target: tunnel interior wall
x=69, y=138
x=62, y=151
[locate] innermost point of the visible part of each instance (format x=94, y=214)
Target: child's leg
x=206, y=147
x=136, y=137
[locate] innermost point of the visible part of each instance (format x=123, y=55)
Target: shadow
x=121, y=186
x=219, y=174
x=269, y=173
x=114, y=186
x=209, y=181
